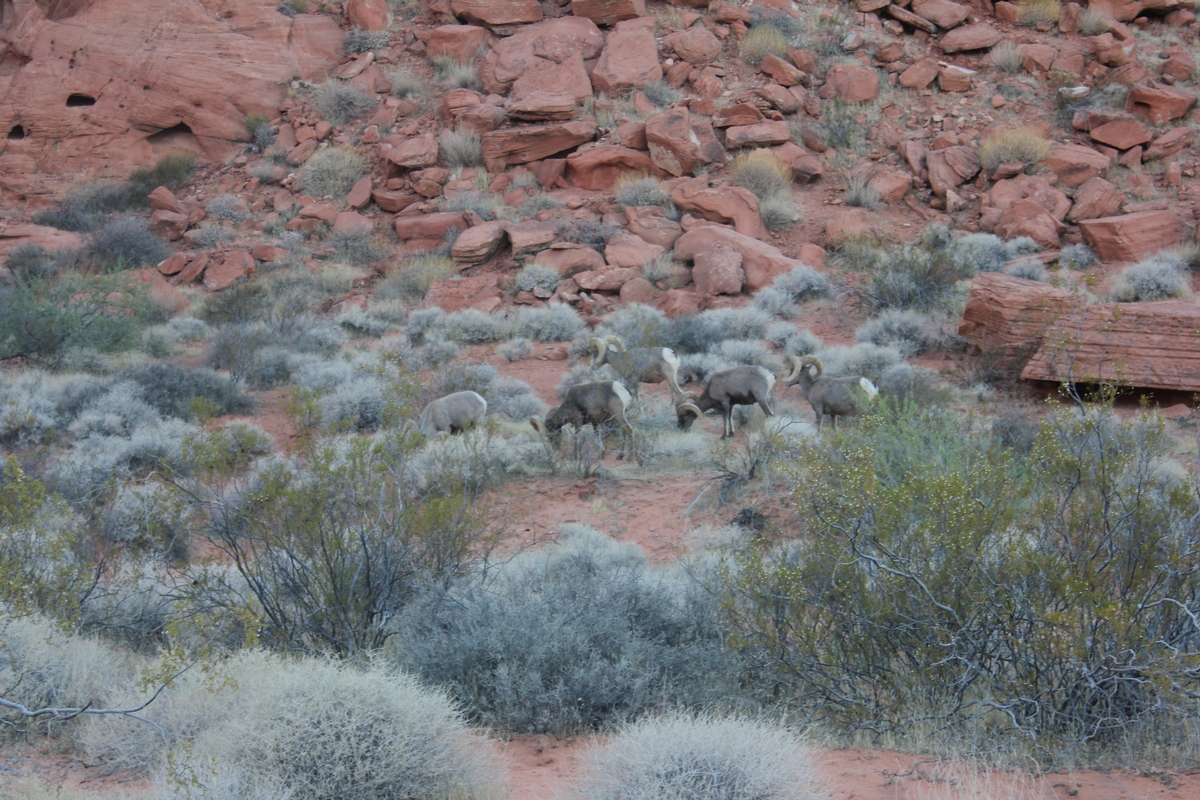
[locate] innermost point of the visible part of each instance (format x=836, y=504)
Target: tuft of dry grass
x=859, y=192
x=1039, y=12
x=1094, y=22
x=1025, y=145
x=762, y=172
x=761, y=41
x=1006, y=57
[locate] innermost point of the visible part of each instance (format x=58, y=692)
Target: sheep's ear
x=537, y=424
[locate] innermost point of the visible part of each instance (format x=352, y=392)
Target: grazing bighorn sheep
x=740, y=386
x=837, y=397
x=641, y=364
x=597, y=402
x=453, y=413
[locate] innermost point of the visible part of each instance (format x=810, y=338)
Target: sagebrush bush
x=227, y=208
x=127, y=243
x=1077, y=257
x=210, y=236
x=515, y=350
x=460, y=148
x=331, y=172
x=921, y=276
x=803, y=283
x=762, y=172
x=1007, y=57
x=341, y=102
x=574, y=638
x=700, y=333
x=700, y=757
x=1031, y=269
x=743, y=351
x=1160, y=277
x=360, y=41
x=405, y=83
x=411, y=279
x=359, y=248
x=639, y=189
x=32, y=262
x=636, y=324
x=173, y=390
x=471, y=326
x=908, y=332
x=865, y=358
x=986, y=252
x=484, y=203
x=590, y=232
x=539, y=202
x=662, y=94
x=697, y=368
x=535, y=276
x=455, y=74
x=802, y=343
x=1020, y=145
x=557, y=322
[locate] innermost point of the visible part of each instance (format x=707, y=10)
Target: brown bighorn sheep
x=597, y=402
x=837, y=397
x=740, y=386
x=452, y=414
x=639, y=364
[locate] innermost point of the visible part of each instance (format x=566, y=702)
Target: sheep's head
x=813, y=366
x=602, y=346
x=686, y=411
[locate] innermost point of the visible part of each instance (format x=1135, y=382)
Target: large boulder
x=1028, y=218
x=1007, y=317
x=429, y=226
x=567, y=76
x=1121, y=134
x=608, y=12
x=761, y=262
x=1094, y=199
x=764, y=134
x=942, y=13
x=718, y=270
x=497, y=12
x=1010, y=191
x=597, y=168
x=1132, y=237
x=851, y=83
x=503, y=148
x=459, y=42
x=554, y=40
x=414, y=152
x=120, y=83
x=476, y=245
x=970, y=37
x=1075, y=164
x=725, y=204
x=695, y=45
x=673, y=146
x=1144, y=345
x=236, y=266
x=630, y=58
x=1159, y=103
x=370, y=15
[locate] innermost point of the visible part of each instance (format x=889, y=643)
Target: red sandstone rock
x=1007, y=193
x=498, y=12
x=480, y=292
x=429, y=226
x=851, y=83
x=606, y=280
x=569, y=75
x=1169, y=144
x=695, y=45
x=922, y=73
x=848, y=224
x=891, y=185
x=1037, y=56
x=970, y=37
x=1094, y=199
x=637, y=290
x=1074, y=164
x=761, y=262
x=1007, y=316
x=352, y=222
x=763, y=134
x=632, y=251
x=1112, y=52
x=652, y=225
x=416, y=152
x=718, y=269
x=1133, y=236
x=555, y=40
x=370, y=15
x=168, y=224
x=481, y=119
x=394, y=201
x=597, y=168
x=673, y=147
x=1159, y=103
x=543, y=106
x=1145, y=345
x=571, y=261
x=1027, y=218
x=726, y=204
x=360, y=194
x=780, y=98
x=950, y=167
x=238, y=265
x=805, y=168
x=174, y=263
x=477, y=244
x=678, y=303
x=459, y=42
x=629, y=59
x=1121, y=134
x=781, y=71
x=509, y=146
x=942, y=13
x=608, y=12
x=531, y=236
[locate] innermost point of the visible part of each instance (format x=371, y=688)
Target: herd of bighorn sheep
x=604, y=402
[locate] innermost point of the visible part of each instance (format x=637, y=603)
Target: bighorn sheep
x=597, y=402
x=740, y=386
x=639, y=364
x=837, y=397
x=453, y=413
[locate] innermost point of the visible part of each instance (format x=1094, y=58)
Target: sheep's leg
x=726, y=420
x=626, y=437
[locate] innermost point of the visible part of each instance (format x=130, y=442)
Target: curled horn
x=614, y=340
x=794, y=364
x=688, y=408
x=597, y=347
x=813, y=361
x=538, y=423
x=687, y=397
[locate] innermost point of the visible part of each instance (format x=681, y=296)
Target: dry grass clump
x=331, y=172
x=641, y=189
x=1039, y=12
x=340, y=103
x=412, y=279
x=1025, y=145
x=761, y=41
x=1094, y=22
x=764, y=174
x=1006, y=57
x=460, y=148
x=455, y=74
x=405, y=83
x=859, y=192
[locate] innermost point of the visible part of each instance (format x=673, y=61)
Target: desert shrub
x=147, y=516
x=460, y=148
x=776, y=303
x=539, y=202
x=985, y=252
x=763, y=40
x=1077, y=257
x=1088, y=519
x=360, y=324
x=661, y=94
x=471, y=326
x=908, y=332
x=261, y=135
x=636, y=324
x=1160, y=277
x=660, y=268
x=579, y=636
x=357, y=404
x=589, y=232
x=210, y=236
x=331, y=172
x=359, y=248
x=45, y=320
x=227, y=208
x=412, y=278
x=42, y=667
x=859, y=192
x=840, y=126
x=762, y=172
x=31, y=262
x=536, y=276
x=777, y=211
x=557, y=322
x=86, y=210
x=319, y=728
x=1032, y=13
x=697, y=368
x=779, y=332
x=917, y=276
x=698, y=757
x=234, y=348
x=171, y=171
x=484, y=203
x=423, y=322
x=1007, y=57
x=341, y=102
x=1094, y=22
x=904, y=383
x=639, y=189
x=515, y=350
x=1022, y=145
x=455, y=74
x=1031, y=269
x=803, y=283
x=405, y=83
x=743, y=351
x=361, y=41
x=865, y=358
x=802, y=343
x=700, y=333
x=126, y=243
x=173, y=391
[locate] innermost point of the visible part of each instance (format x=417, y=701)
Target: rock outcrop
x=1007, y=317
x=1131, y=237
x=761, y=263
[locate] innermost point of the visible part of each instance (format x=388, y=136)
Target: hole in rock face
x=79, y=100
x=17, y=132
x=177, y=137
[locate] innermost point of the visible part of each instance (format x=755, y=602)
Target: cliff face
x=116, y=82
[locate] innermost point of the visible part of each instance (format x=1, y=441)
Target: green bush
x=331, y=172
x=126, y=243
x=907, y=331
x=86, y=210
x=921, y=276
x=173, y=390
x=340, y=102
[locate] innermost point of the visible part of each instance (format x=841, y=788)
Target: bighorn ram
x=597, y=402
x=453, y=413
x=740, y=386
x=639, y=364
x=837, y=397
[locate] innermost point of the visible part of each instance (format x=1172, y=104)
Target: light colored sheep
x=837, y=397
x=639, y=364
x=452, y=414
x=740, y=386
x=597, y=403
